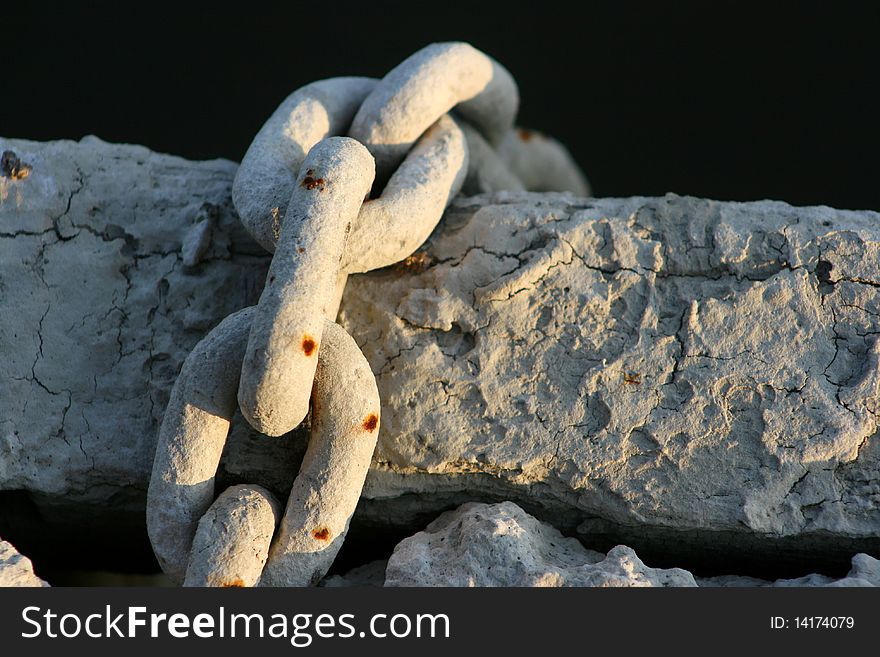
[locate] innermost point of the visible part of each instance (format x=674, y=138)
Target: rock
x=98, y=309
x=657, y=372
x=15, y=569
x=502, y=545
x=692, y=378
x=370, y=574
x=865, y=568
x=865, y=571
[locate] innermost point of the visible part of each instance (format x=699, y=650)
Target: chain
x=304, y=193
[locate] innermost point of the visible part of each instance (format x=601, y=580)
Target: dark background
x=718, y=99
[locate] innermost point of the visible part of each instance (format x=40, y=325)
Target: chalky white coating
x=285, y=338
x=425, y=86
x=232, y=539
x=269, y=169
x=196, y=242
x=486, y=171
x=542, y=163
x=191, y=440
x=345, y=426
x=391, y=227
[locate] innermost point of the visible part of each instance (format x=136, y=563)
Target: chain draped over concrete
x=303, y=191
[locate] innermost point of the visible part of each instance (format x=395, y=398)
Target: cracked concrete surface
x=671, y=363
x=99, y=310
x=688, y=370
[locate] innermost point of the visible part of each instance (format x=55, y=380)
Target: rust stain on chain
x=308, y=345
x=233, y=584
x=632, y=378
x=416, y=263
x=371, y=422
x=310, y=182
x=321, y=534
x=525, y=135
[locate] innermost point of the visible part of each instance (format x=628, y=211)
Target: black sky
x=724, y=100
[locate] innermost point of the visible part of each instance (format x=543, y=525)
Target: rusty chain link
x=303, y=191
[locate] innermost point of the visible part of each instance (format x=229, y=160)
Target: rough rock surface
x=15, y=569
x=660, y=372
x=690, y=370
x=865, y=571
x=99, y=310
x=502, y=545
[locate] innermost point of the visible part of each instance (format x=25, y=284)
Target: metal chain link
x=303, y=192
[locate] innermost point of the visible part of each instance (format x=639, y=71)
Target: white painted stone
x=666, y=366
x=98, y=311
x=16, y=569
x=502, y=545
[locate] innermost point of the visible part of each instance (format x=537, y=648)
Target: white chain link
x=303, y=192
